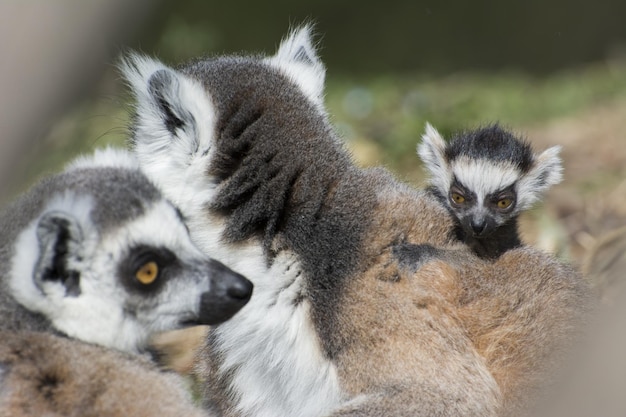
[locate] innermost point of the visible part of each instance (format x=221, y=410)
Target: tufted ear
x=174, y=116
x=546, y=171
x=432, y=153
x=297, y=58
x=60, y=239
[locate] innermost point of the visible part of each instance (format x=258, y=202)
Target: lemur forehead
x=119, y=194
x=484, y=176
x=492, y=143
x=159, y=226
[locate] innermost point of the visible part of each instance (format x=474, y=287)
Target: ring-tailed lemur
x=96, y=253
x=344, y=322
x=486, y=178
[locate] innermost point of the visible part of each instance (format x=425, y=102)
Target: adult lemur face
x=98, y=254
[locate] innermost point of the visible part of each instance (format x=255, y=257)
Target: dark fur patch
x=284, y=179
x=302, y=56
x=493, y=143
x=58, y=270
x=413, y=256
x=48, y=384
x=158, y=84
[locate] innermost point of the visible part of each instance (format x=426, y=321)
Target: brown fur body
x=418, y=314
x=46, y=375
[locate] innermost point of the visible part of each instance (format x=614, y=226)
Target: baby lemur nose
x=478, y=226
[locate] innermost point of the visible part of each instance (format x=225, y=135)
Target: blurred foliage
x=390, y=112
x=369, y=37
x=381, y=117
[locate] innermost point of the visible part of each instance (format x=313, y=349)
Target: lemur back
x=486, y=178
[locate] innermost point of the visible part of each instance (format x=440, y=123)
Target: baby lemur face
x=487, y=176
x=481, y=211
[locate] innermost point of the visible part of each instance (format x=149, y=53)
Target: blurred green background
x=550, y=70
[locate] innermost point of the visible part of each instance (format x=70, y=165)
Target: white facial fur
x=482, y=176
x=285, y=372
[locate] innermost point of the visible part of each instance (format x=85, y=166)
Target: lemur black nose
x=478, y=226
x=228, y=293
x=240, y=289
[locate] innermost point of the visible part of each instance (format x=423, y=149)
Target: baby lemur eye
x=147, y=273
x=457, y=198
x=504, y=203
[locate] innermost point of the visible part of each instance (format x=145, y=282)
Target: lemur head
x=182, y=113
x=107, y=260
x=487, y=176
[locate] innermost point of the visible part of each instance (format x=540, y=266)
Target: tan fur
x=176, y=349
x=46, y=375
x=466, y=336
x=605, y=264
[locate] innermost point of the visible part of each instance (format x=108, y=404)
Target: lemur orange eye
x=147, y=273
x=505, y=203
x=457, y=198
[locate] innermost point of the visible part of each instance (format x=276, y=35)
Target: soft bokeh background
x=553, y=71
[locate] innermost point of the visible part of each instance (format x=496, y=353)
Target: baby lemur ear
x=60, y=239
x=546, y=171
x=297, y=58
x=432, y=152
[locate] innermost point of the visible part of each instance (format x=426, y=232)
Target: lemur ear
x=164, y=91
x=432, y=153
x=547, y=170
x=169, y=106
x=297, y=58
x=60, y=238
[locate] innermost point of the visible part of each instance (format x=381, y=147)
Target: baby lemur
x=486, y=178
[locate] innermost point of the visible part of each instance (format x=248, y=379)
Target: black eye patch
x=505, y=193
x=145, y=269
